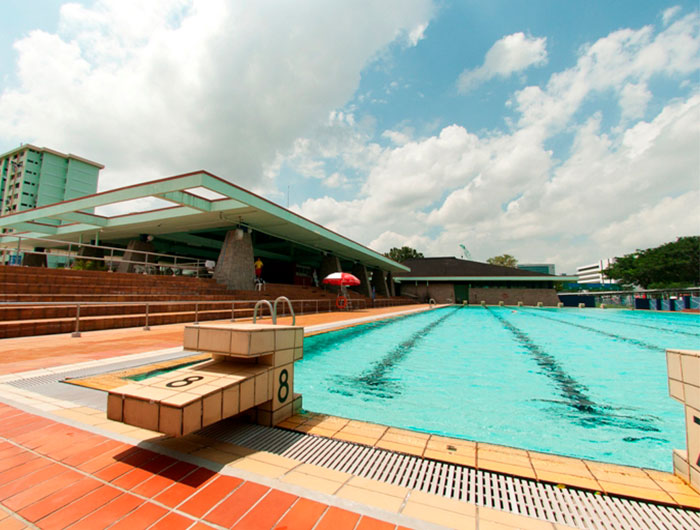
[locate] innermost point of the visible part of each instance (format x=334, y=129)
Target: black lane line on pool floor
x=374, y=380
x=322, y=341
x=636, y=342
x=574, y=393
x=626, y=322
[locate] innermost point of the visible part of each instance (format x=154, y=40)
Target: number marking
x=284, y=377
x=184, y=382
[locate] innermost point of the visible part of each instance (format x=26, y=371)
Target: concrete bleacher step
x=50, y=297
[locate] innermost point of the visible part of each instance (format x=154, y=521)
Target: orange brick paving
x=49, y=480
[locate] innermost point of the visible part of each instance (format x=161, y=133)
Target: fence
x=298, y=306
x=143, y=261
x=654, y=299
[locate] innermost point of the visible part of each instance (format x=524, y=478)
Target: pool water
x=585, y=383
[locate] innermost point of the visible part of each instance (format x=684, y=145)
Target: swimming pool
x=579, y=382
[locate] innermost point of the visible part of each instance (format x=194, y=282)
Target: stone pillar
x=234, y=267
x=35, y=260
x=329, y=265
x=360, y=271
x=132, y=254
x=390, y=284
x=379, y=282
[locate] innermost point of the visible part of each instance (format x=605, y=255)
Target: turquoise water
x=586, y=383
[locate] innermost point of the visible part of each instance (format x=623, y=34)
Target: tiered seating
x=115, y=300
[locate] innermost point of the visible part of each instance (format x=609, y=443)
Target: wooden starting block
x=252, y=368
x=684, y=386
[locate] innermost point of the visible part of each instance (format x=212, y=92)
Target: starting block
x=252, y=369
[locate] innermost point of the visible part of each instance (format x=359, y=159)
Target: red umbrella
x=341, y=278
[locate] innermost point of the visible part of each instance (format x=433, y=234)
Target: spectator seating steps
x=119, y=300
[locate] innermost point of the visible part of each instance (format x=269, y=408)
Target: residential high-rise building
x=33, y=176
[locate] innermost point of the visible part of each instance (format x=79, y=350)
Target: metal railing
x=305, y=306
x=273, y=309
x=143, y=261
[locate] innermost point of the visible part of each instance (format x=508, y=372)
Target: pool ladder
x=273, y=309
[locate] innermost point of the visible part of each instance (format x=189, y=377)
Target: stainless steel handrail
x=186, y=263
x=273, y=311
x=149, y=305
x=291, y=309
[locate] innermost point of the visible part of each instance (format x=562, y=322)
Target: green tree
x=670, y=265
x=403, y=253
x=504, y=260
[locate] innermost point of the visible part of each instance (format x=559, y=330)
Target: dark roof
x=454, y=267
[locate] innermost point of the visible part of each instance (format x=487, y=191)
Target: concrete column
x=390, y=284
x=35, y=260
x=235, y=268
x=379, y=282
x=360, y=271
x=132, y=254
x=329, y=265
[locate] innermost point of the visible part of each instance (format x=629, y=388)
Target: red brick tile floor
x=56, y=476
x=49, y=480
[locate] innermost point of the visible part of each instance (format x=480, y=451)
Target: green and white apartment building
x=33, y=176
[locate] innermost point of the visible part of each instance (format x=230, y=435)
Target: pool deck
x=62, y=464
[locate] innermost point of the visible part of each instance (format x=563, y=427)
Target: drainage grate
x=40, y=380
x=572, y=507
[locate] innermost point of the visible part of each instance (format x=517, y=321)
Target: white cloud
x=634, y=99
x=417, y=34
x=172, y=86
x=625, y=56
x=669, y=14
x=397, y=137
x=653, y=225
x=511, y=54
x=336, y=180
x=634, y=186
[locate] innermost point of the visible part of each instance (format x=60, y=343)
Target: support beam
x=329, y=265
x=390, y=284
x=379, y=282
x=132, y=254
x=40, y=228
x=360, y=271
x=234, y=267
x=81, y=217
x=187, y=199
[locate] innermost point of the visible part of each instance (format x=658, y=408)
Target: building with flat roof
x=544, y=268
x=453, y=280
x=593, y=273
x=32, y=176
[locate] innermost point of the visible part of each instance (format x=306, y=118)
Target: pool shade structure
x=190, y=215
x=251, y=370
x=341, y=278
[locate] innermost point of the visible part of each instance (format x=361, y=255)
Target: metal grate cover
x=40, y=380
x=572, y=507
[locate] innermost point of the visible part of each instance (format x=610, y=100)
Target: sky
x=558, y=132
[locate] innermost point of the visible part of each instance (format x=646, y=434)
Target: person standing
x=258, y=269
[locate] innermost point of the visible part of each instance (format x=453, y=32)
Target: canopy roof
x=190, y=212
x=454, y=269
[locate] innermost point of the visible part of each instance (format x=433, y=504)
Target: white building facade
x=593, y=273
